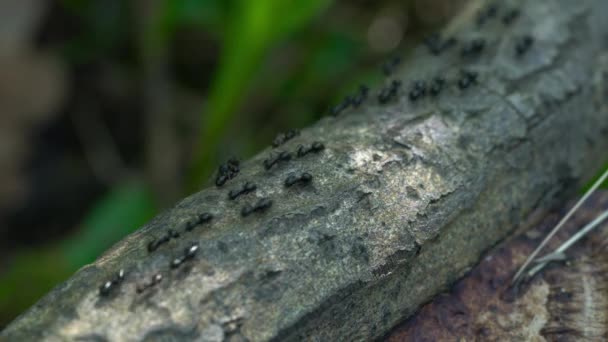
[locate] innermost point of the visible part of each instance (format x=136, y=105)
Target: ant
x=437, y=45
x=314, y=147
x=436, y=86
x=336, y=110
x=154, y=244
x=157, y=278
x=303, y=178
x=201, y=219
x=387, y=93
x=468, y=78
x=510, y=16
x=282, y=138
x=274, y=159
x=523, y=45
x=108, y=287
x=189, y=253
x=418, y=91
x=227, y=171
x=360, y=97
x=474, y=47
x=262, y=205
x=389, y=66
x=488, y=13
x=245, y=189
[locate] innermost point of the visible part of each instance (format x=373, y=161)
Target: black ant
x=389, y=66
x=474, y=47
x=360, y=97
x=523, y=45
x=487, y=13
x=336, y=110
x=436, y=86
x=315, y=147
x=201, y=219
x=437, y=45
x=510, y=16
x=387, y=93
x=303, y=178
x=418, y=91
x=108, y=287
x=262, y=205
x=227, y=171
x=157, y=278
x=282, y=138
x=245, y=189
x=274, y=159
x=468, y=78
x=189, y=253
x=153, y=245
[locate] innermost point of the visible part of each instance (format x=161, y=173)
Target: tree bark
x=403, y=200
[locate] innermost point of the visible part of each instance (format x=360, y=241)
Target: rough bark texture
x=404, y=199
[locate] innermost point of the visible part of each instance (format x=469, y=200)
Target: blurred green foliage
x=121, y=211
x=210, y=15
x=102, y=30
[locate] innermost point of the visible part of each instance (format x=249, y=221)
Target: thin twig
x=559, y=226
x=558, y=254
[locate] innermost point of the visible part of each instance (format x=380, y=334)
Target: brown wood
x=566, y=302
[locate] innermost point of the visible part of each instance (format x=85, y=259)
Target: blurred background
x=113, y=110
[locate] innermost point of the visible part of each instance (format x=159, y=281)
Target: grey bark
x=404, y=199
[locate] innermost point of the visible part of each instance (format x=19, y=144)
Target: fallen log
x=402, y=195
